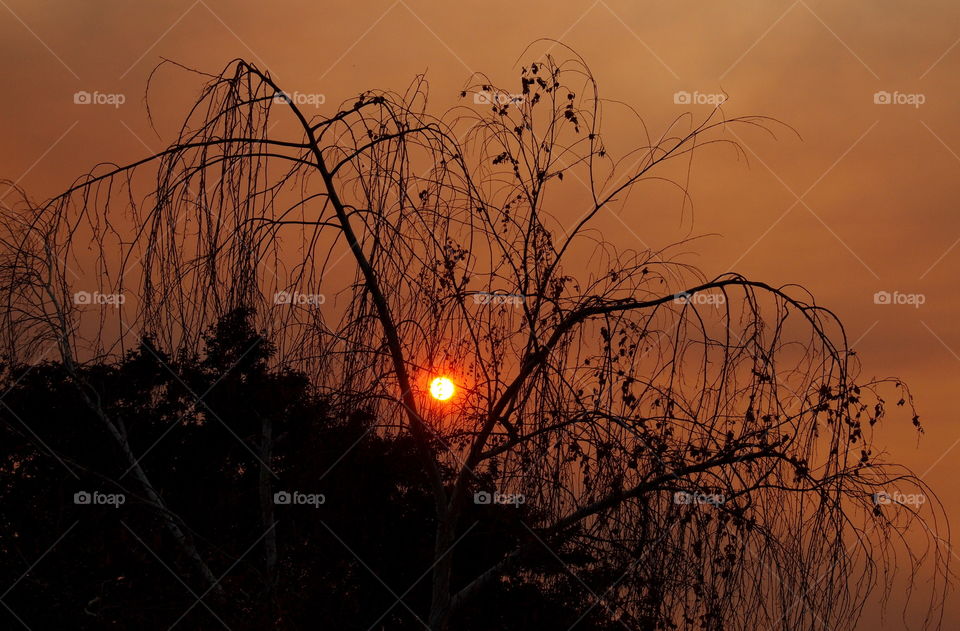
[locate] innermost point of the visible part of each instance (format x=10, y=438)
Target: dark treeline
x=298, y=566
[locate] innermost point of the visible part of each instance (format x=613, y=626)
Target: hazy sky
x=864, y=201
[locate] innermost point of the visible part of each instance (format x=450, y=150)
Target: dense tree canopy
x=375, y=524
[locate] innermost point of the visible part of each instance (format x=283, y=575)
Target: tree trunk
x=442, y=573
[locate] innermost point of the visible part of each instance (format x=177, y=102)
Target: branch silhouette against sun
x=595, y=382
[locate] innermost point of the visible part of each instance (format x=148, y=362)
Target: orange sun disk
x=441, y=388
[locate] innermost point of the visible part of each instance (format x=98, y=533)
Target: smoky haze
x=854, y=197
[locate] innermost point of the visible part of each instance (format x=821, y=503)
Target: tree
x=607, y=388
x=108, y=572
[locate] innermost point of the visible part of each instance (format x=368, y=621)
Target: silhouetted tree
x=595, y=383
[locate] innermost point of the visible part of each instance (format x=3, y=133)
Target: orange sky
x=866, y=201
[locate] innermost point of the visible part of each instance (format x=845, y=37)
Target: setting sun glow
x=441, y=388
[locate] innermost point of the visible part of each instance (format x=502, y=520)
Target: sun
x=441, y=388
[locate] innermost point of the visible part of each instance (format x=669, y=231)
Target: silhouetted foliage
x=109, y=572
